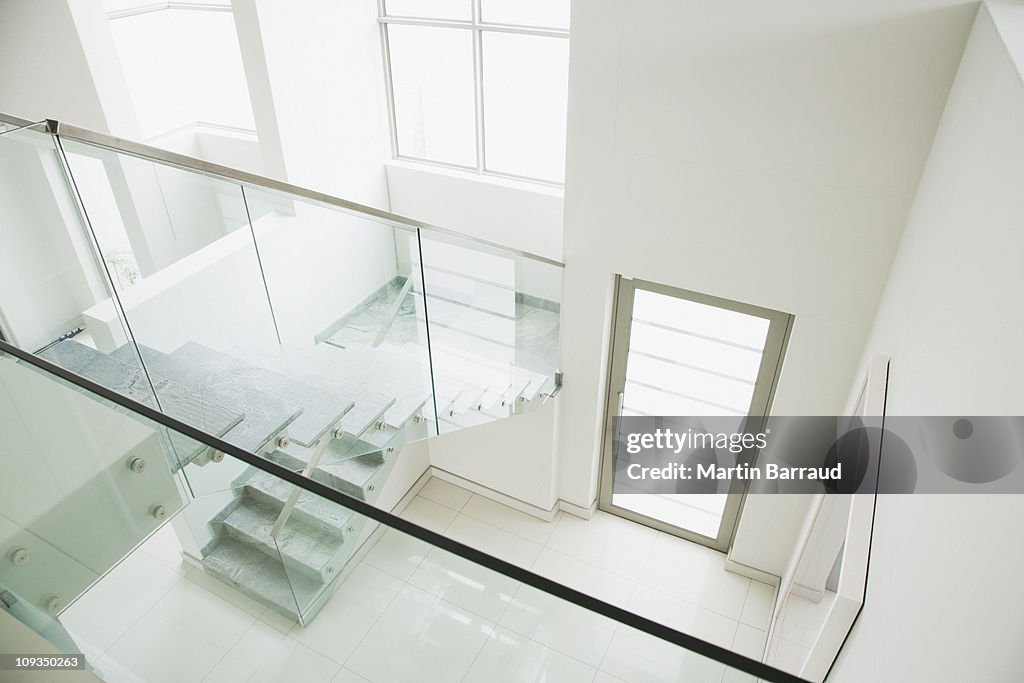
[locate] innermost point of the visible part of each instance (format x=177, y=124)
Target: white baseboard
x=807, y=593
x=413, y=491
x=574, y=509
x=752, y=573
x=547, y=515
x=497, y=496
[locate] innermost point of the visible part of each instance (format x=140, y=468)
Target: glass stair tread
x=265, y=415
x=352, y=475
x=394, y=375
x=255, y=574
x=370, y=404
x=119, y=371
x=321, y=409
x=310, y=508
x=302, y=547
x=116, y=372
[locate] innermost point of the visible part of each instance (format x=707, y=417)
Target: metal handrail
x=541, y=583
x=163, y=156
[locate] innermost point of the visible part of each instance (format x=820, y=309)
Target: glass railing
x=294, y=324
x=83, y=483
x=319, y=334
x=404, y=604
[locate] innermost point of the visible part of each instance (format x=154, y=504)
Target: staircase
x=338, y=411
x=493, y=352
x=285, y=405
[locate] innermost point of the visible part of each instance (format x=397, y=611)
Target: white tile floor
x=410, y=612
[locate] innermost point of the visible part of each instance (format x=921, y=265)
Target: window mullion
x=478, y=86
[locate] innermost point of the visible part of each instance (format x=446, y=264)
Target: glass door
x=683, y=354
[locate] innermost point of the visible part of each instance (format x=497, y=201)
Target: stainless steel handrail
x=163, y=156
x=16, y=121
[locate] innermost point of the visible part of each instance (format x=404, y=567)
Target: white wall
x=760, y=152
x=511, y=456
x=316, y=79
x=515, y=214
x=46, y=276
x=181, y=67
x=944, y=590
x=60, y=64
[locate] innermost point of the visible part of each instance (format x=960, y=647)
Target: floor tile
x=225, y=592
x=428, y=514
x=509, y=519
x=640, y=658
x=737, y=676
x=164, y=547
x=256, y=643
x=397, y=554
x=600, y=583
x=420, y=638
x=786, y=655
x=749, y=642
x=291, y=661
x=231, y=670
x=445, y=493
x=695, y=574
x=103, y=614
x=278, y=621
x=493, y=541
x=513, y=658
x=802, y=619
x=603, y=677
x=683, y=616
x=158, y=649
x=563, y=626
x=466, y=584
x=606, y=541
x=110, y=671
x=758, y=606
x=350, y=613
x=146, y=576
x=205, y=614
x=346, y=676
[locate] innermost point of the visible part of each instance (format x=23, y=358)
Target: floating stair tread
x=313, y=509
x=409, y=391
x=370, y=403
x=261, y=577
x=265, y=415
x=353, y=475
x=321, y=409
x=300, y=545
x=119, y=371
x=470, y=418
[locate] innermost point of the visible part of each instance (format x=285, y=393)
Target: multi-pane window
x=479, y=84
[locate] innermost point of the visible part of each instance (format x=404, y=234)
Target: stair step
x=261, y=577
x=470, y=418
x=409, y=389
x=370, y=403
x=321, y=410
x=303, y=547
x=352, y=476
x=265, y=415
x=309, y=508
x=119, y=371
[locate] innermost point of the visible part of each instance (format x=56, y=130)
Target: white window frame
x=478, y=27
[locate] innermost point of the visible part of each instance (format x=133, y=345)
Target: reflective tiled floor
x=409, y=612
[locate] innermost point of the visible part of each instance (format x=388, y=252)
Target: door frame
x=779, y=329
